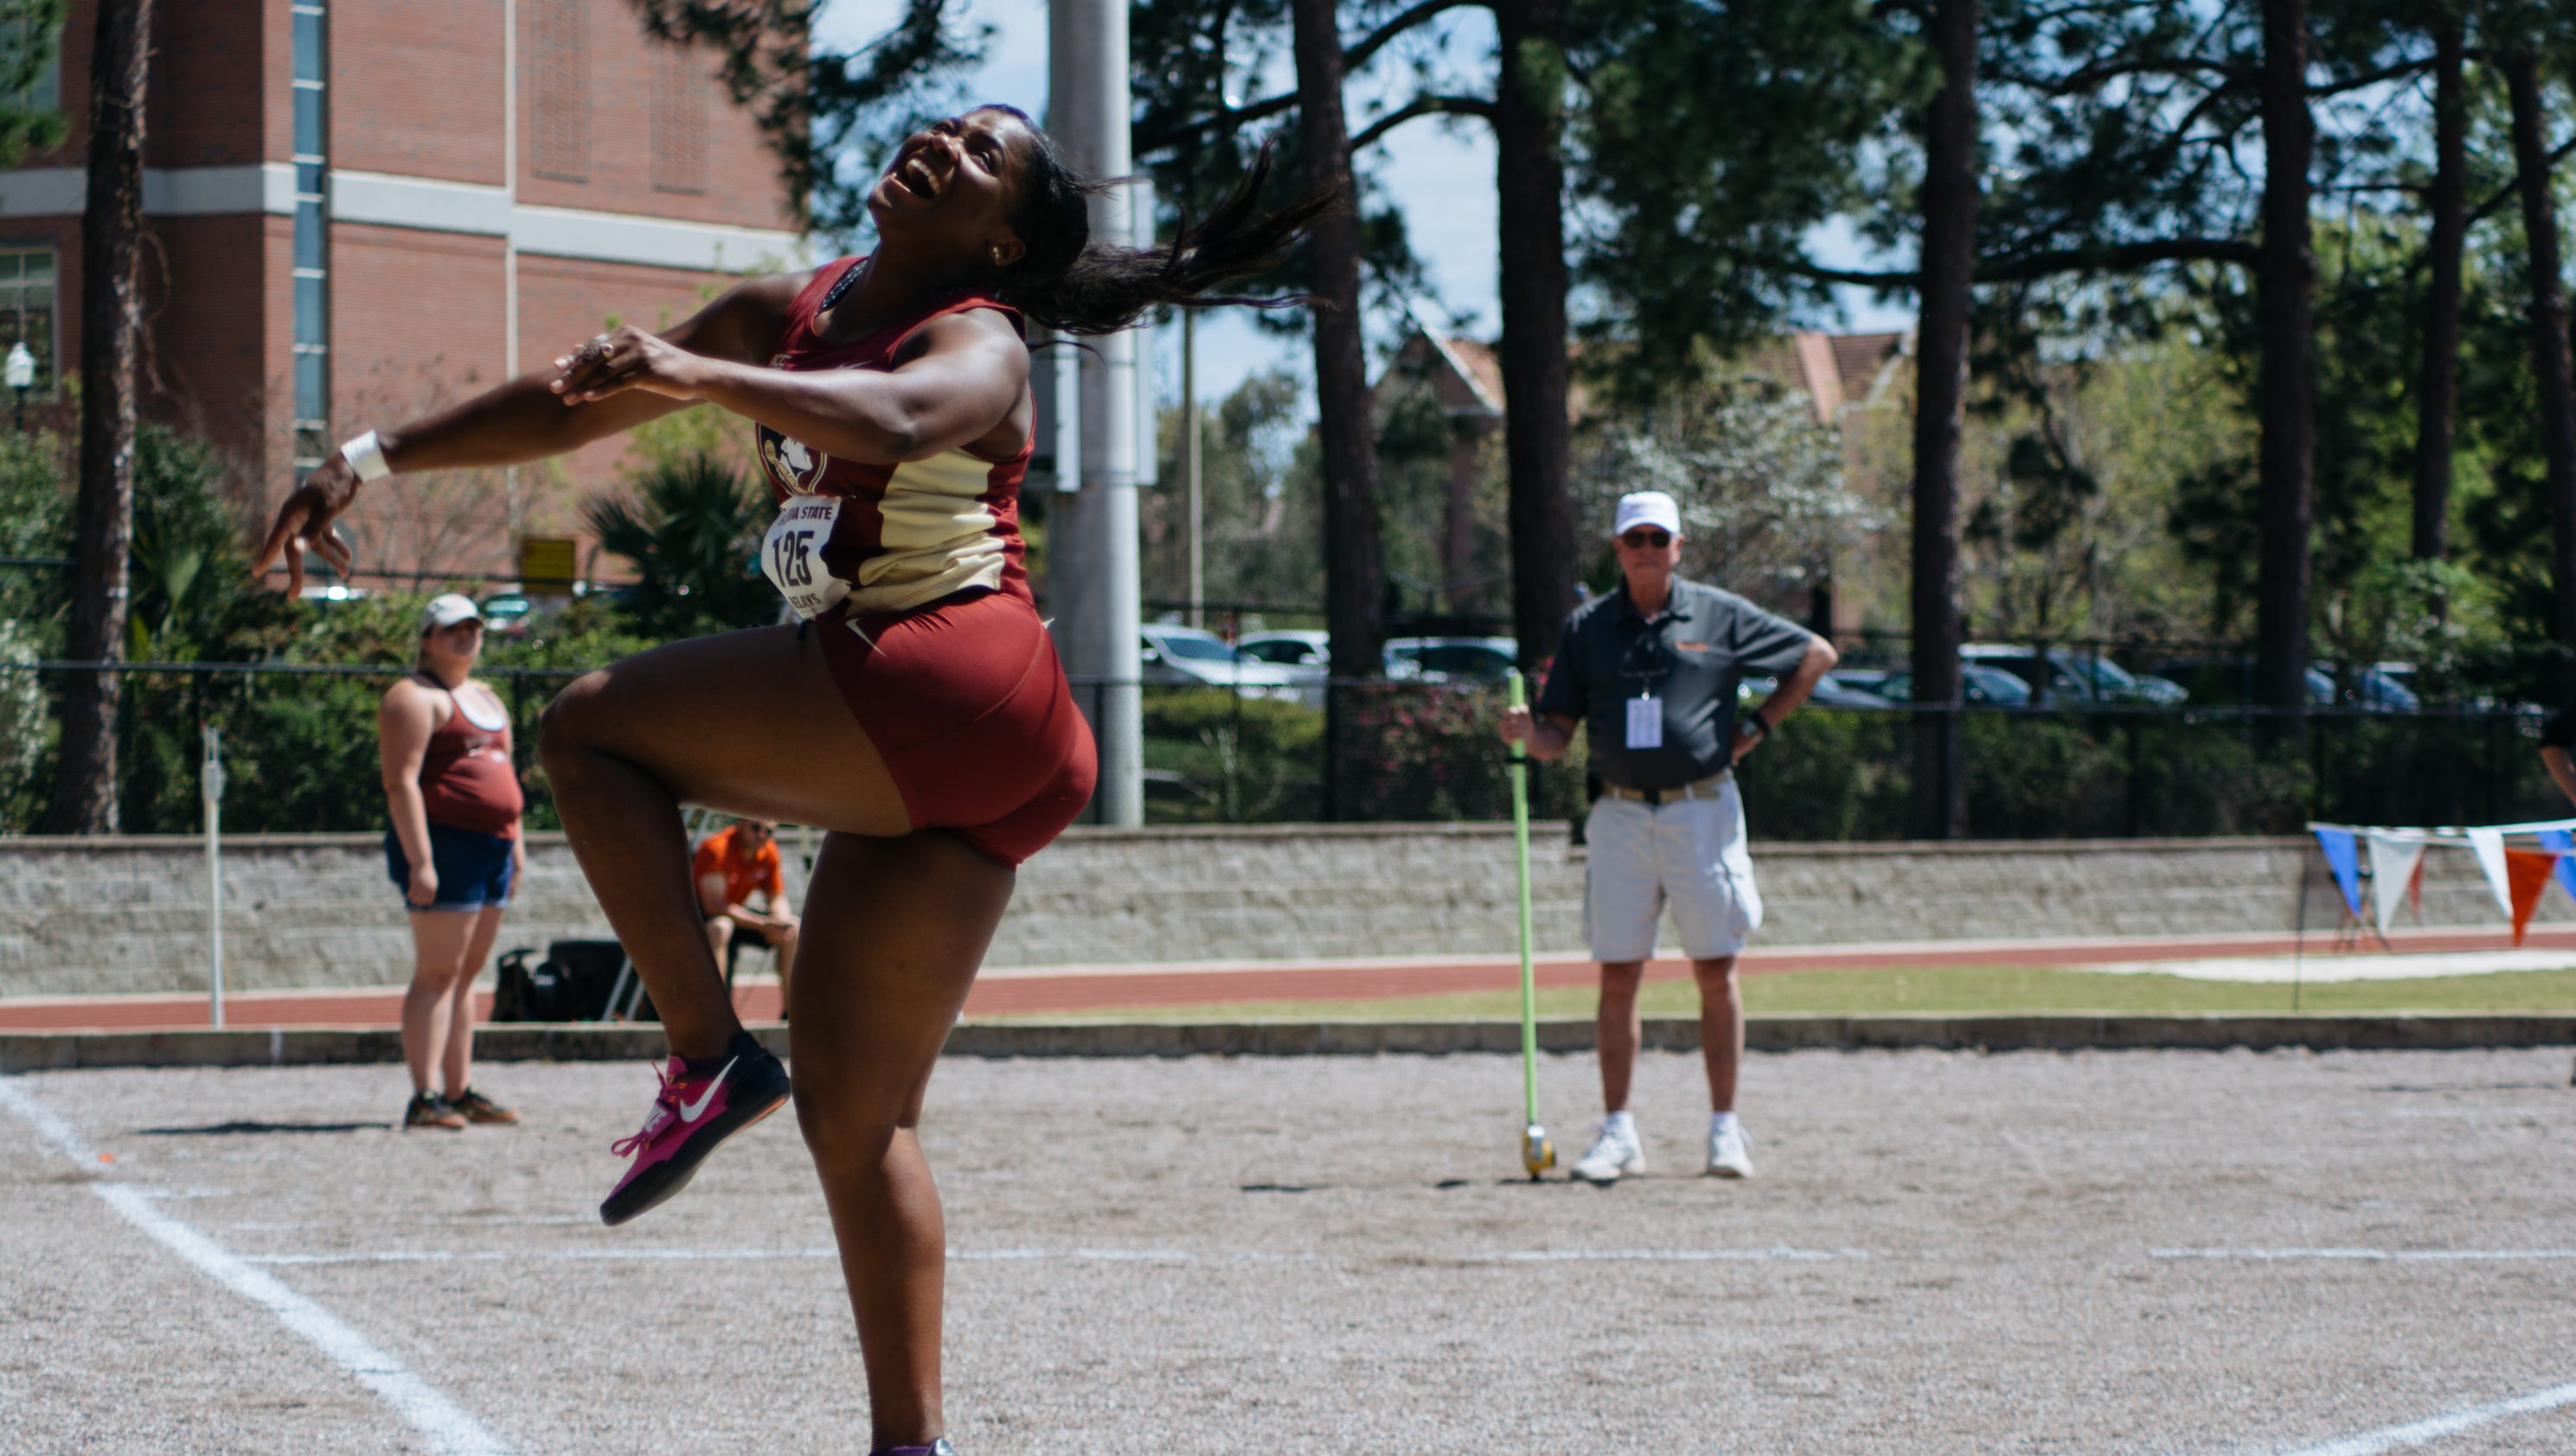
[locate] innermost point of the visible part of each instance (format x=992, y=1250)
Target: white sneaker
x=1612, y=1154
x=1728, y=1155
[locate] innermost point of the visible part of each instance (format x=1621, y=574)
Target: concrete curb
x=258, y=1047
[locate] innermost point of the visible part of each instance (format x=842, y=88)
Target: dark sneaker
x=479, y=1108
x=697, y=1108
x=939, y=1447
x=428, y=1109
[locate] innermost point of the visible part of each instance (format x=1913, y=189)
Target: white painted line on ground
x=2283, y=969
x=2389, y=1256
x=556, y=1256
x=1778, y=1254
x=447, y=1426
x=2450, y=1423
x=1781, y=1254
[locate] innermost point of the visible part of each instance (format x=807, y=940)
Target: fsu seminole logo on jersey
x=796, y=466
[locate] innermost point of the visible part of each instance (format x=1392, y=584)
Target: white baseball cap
x=1647, y=508
x=447, y=611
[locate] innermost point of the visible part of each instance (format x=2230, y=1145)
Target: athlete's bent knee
x=560, y=724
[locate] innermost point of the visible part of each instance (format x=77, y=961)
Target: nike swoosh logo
x=692, y=1111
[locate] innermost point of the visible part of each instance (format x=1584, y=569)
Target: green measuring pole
x=1538, y=1154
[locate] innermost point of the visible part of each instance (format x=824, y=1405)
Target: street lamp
x=20, y=375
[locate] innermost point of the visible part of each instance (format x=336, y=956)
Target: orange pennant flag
x=2527, y=873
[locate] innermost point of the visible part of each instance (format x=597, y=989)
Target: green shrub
x=1213, y=756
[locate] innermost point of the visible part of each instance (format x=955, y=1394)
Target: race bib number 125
x=792, y=556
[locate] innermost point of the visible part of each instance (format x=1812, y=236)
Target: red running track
x=1096, y=989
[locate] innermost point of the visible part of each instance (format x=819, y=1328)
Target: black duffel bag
x=573, y=983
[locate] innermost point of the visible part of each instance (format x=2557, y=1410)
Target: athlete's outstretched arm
x=518, y=421
x=954, y=382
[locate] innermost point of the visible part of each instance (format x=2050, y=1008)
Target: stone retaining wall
x=106, y=915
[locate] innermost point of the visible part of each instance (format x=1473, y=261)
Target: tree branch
x=1355, y=57
x=1376, y=40
x=2091, y=77
x=2508, y=191
x=1423, y=106
x=1227, y=119
x=2105, y=258
x=2372, y=78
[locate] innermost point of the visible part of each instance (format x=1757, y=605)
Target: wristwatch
x=1754, y=721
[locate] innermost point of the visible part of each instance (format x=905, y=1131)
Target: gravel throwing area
x=2284, y=1253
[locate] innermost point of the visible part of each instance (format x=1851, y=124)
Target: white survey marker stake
x=210, y=781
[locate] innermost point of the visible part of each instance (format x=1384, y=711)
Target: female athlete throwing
x=918, y=714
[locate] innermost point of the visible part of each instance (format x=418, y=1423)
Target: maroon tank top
x=467, y=780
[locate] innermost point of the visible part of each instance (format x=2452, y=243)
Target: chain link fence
x=300, y=748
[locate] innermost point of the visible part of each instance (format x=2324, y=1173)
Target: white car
x=1187, y=657
x=1302, y=649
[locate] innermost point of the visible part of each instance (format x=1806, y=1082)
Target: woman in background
x=453, y=850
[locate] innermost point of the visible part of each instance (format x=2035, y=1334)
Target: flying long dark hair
x=1076, y=286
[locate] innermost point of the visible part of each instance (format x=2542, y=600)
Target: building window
x=679, y=119
x=559, y=89
x=312, y=263
x=27, y=307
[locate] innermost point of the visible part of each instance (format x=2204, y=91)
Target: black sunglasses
x=1656, y=539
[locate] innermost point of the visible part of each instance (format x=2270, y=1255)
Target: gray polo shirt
x=1689, y=659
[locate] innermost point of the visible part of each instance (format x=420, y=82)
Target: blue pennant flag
x=2565, y=843
x=2344, y=858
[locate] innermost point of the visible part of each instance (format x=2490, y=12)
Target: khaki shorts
x=1690, y=854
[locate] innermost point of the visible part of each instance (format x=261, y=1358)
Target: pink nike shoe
x=694, y=1111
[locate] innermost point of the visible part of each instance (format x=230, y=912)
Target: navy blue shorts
x=474, y=870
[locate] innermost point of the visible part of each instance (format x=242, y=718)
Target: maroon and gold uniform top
x=890, y=537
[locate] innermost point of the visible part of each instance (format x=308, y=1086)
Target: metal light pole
x=1091, y=574
x=20, y=375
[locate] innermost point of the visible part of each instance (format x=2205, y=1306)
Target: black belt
x=1702, y=789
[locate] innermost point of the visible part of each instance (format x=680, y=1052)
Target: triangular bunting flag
x=2488, y=846
x=2565, y=843
x=2529, y=871
x=2345, y=861
x=2395, y=860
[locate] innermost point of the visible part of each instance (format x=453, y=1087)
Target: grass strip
x=1941, y=990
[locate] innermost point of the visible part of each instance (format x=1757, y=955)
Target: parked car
x=2057, y=686
x=1187, y=657
x=2406, y=675
x=2113, y=683
x=2368, y=689
x=2231, y=680
x=1830, y=691
x=1979, y=685
x=1308, y=649
x=507, y=613
x=2074, y=678
x=1451, y=659
x=1858, y=679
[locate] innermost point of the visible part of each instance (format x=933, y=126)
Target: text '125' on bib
x=792, y=555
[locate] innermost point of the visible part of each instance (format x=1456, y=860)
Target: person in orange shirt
x=731, y=867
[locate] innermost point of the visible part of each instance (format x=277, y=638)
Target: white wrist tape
x=366, y=457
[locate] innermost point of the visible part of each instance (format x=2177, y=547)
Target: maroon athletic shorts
x=965, y=700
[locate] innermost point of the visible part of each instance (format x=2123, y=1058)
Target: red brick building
x=359, y=209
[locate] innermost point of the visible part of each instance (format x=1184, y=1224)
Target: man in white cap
x=1653, y=670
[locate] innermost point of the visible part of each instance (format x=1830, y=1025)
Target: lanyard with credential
x=1647, y=661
